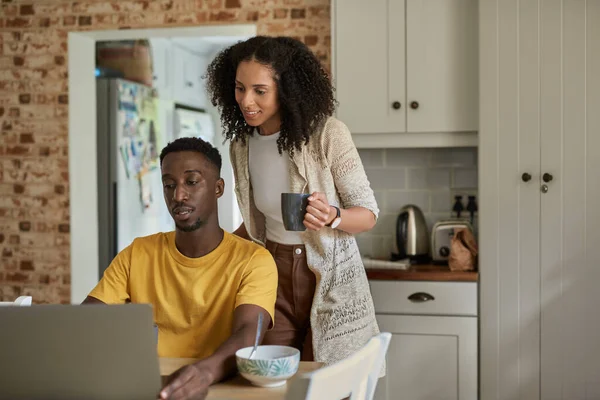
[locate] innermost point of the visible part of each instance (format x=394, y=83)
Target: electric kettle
x=412, y=239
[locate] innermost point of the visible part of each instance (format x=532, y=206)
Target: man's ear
x=219, y=187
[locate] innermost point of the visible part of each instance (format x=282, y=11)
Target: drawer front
x=424, y=298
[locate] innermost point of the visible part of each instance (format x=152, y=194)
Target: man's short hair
x=193, y=144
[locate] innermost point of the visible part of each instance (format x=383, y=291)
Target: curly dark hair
x=304, y=90
x=193, y=144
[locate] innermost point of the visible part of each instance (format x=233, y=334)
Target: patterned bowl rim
x=294, y=355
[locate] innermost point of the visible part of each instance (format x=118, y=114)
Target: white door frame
x=83, y=183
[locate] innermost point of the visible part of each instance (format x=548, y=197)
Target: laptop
x=67, y=352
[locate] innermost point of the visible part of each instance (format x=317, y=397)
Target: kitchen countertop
x=426, y=272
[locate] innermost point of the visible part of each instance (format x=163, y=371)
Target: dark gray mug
x=293, y=208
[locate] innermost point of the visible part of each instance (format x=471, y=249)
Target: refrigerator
x=129, y=141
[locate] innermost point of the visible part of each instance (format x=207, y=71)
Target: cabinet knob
x=420, y=297
x=396, y=105
x=189, y=84
x=547, y=177
x=526, y=177
x=414, y=105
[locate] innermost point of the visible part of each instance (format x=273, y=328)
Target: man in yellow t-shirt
x=206, y=285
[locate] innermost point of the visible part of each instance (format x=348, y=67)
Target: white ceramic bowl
x=270, y=366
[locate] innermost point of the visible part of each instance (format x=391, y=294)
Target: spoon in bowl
x=260, y=318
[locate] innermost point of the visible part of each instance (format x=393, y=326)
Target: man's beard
x=190, y=228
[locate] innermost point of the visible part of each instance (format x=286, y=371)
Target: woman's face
x=256, y=94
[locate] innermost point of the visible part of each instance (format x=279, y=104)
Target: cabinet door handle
x=414, y=105
x=526, y=177
x=396, y=105
x=189, y=84
x=547, y=177
x=420, y=297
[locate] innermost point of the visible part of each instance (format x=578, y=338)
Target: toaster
x=441, y=237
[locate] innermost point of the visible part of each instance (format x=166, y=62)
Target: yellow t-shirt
x=193, y=298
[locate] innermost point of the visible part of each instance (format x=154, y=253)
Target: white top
x=269, y=177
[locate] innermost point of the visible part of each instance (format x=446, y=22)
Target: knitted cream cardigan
x=342, y=315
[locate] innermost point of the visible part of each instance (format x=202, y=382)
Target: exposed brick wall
x=34, y=178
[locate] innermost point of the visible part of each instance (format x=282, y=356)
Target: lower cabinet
x=429, y=358
x=433, y=351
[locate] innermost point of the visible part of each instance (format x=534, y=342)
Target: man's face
x=191, y=186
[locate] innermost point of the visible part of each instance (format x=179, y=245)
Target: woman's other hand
x=318, y=212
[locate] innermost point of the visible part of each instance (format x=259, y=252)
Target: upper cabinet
x=177, y=73
x=442, y=65
x=161, y=51
x=188, y=85
x=406, y=71
x=369, y=69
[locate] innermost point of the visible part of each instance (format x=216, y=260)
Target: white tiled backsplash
x=428, y=178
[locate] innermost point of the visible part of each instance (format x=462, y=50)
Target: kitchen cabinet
x=188, y=86
x=539, y=217
x=177, y=73
x=407, y=66
x=161, y=66
x=433, y=351
x=426, y=358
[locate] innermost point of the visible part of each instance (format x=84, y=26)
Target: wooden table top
x=238, y=387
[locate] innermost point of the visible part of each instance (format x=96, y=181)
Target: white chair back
x=376, y=370
x=20, y=301
x=355, y=376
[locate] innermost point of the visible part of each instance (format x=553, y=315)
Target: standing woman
x=276, y=103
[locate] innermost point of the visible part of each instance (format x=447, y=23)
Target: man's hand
x=190, y=383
